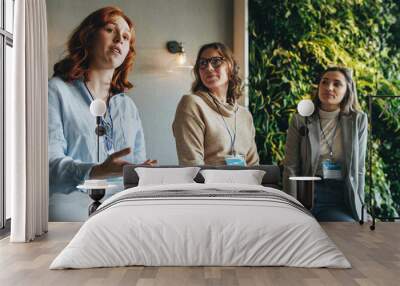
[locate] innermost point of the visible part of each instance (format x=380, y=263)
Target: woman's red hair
x=75, y=65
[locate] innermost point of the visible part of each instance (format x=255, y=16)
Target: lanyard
x=330, y=146
x=232, y=137
x=109, y=138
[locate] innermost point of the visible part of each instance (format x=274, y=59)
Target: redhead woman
x=336, y=146
x=210, y=127
x=99, y=57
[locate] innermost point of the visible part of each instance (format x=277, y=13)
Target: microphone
x=98, y=108
x=305, y=108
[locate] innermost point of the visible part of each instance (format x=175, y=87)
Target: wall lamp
x=175, y=47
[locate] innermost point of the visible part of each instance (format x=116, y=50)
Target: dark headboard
x=271, y=178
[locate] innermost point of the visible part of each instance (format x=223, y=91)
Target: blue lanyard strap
x=232, y=137
x=108, y=138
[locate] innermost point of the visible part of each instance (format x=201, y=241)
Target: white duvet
x=183, y=231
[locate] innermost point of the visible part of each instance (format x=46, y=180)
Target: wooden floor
x=374, y=255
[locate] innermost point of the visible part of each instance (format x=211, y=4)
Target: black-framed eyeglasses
x=215, y=62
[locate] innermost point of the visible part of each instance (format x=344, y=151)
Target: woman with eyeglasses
x=210, y=127
x=100, y=56
x=334, y=149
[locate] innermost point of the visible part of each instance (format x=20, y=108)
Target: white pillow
x=248, y=177
x=165, y=176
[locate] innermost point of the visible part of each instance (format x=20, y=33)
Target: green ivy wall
x=291, y=42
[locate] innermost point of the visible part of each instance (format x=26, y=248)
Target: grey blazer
x=354, y=136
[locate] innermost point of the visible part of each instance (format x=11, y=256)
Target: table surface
x=305, y=178
x=108, y=187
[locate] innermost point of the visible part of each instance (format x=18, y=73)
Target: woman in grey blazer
x=333, y=149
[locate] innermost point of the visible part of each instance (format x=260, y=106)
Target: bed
x=201, y=224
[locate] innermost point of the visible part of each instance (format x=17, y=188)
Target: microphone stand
x=305, y=183
x=97, y=194
x=100, y=131
x=306, y=187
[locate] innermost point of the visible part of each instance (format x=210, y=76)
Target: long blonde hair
x=349, y=103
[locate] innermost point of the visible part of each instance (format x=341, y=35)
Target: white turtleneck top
x=328, y=122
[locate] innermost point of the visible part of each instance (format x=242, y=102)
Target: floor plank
x=374, y=255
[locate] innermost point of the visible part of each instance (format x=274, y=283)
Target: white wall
x=193, y=22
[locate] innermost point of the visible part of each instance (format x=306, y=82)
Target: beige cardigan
x=201, y=136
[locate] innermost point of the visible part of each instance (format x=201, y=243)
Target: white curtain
x=27, y=124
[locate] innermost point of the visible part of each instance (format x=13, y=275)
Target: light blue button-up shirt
x=72, y=138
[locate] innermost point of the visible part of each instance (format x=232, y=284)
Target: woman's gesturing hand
x=112, y=166
x=150, y=162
